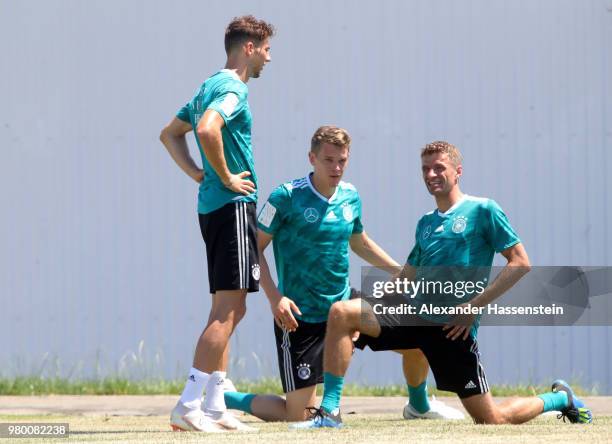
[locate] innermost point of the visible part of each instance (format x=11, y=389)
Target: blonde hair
x=330, y=134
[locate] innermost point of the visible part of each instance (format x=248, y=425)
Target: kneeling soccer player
x=312, y=221
x=462, y=231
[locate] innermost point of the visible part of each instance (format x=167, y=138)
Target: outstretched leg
x=519, y=410
x=273, y=407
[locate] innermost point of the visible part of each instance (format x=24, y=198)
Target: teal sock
x=554, y=401
x=332, y=392
x=417, y=397
x=239, y=401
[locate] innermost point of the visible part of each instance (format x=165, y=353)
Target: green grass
x=34, y=386
x=360, y=428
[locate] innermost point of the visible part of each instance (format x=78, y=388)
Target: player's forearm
x=506, y=279
x=212, y=144
x=372, y=253
x=266, y=281
x=179, y=151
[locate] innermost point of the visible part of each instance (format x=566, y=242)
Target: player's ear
x=249, y=48
x=311, y=157
x=459, y=170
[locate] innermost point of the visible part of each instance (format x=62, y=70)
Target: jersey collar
x=232, y=73
x=453, y=208
x=314, y=190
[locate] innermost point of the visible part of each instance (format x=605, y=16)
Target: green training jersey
x=459, y=245
x=225, y=93
x=311, y=243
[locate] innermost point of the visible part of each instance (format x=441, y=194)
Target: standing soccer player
x=312, y=222
x=220, y=116
x=463, y=231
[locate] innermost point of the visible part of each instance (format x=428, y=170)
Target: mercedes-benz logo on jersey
x=303, y=371
x=255, y=272
x=311, y=215
x=427, y=232
x=459, y=224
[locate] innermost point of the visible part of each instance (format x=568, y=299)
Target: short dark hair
x=330, y=134
x=245, y=28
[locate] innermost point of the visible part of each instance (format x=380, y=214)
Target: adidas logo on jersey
x=470, y=385
x=331, y=216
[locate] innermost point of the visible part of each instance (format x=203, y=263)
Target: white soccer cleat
x=228, y=421
x=192, y=420
x=437, y=410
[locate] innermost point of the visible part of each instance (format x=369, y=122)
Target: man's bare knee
x=232, y=311
x=338, y=313
x=490, y=420
x=483, y=409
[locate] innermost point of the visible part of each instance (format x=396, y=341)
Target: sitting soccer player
x=463, y=231
x=312, y=221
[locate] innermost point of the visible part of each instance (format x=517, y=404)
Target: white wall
x=100, y=243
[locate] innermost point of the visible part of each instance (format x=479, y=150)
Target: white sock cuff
x=198, y=373
x=214, y=400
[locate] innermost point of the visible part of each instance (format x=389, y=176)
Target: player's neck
x=239, y=67
x=321, y=187
x=446, y=201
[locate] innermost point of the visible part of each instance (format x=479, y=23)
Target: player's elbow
x=358, y=243
x=167, y=135
x=524, y=263
x=526, y=268
x=163, y=135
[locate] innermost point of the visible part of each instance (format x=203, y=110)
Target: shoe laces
x=316, y=414
x=568, y=413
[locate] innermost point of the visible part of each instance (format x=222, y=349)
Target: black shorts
x=455, y=364
x=230, y=234
x=300, y=355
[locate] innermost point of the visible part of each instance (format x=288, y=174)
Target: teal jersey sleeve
x=499, y=233
x=183, y=114
x=357, y=224
x=229, y=103
x=274, y=211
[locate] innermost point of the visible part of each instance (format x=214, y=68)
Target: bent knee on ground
x=490, y=419
x=483, y=409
